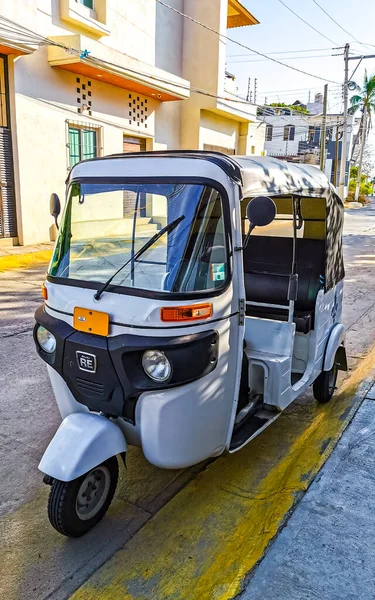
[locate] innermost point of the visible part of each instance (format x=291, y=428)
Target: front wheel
x=74, y=507
x=325, y=385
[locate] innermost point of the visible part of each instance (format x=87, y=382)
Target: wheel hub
x=93, y=493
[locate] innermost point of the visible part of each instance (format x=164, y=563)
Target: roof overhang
x=239, y=16
x=115, y=68
x=10, y=47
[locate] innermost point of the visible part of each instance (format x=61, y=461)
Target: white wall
x=285, y=148
x=204, y=52
x=169, y=37
x=218, y=131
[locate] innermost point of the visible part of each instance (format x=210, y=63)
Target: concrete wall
x=204, y=52
x=218, y=131
x=169, y=28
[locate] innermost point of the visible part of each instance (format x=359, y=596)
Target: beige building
x=113, y=76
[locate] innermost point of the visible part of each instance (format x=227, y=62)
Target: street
x=38, y=563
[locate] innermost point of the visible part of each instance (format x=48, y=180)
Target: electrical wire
x=287, y=52
x=221, y=35
x=338, y=24
x=112, y=68
x=307, y=23
x=253, y=60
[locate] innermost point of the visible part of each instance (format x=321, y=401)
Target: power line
x=109, y=67
x=338, y=24
x=221, y=35
x=286, y=58
x=306, y=23
x=287, y=52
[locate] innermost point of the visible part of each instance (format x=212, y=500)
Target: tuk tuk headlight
x=46, y=339
x=156, y=365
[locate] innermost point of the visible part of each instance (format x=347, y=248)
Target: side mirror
x=55, y=207
x=261, y=211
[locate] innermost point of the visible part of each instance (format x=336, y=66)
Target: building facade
x=296, y=137
x=86, y=78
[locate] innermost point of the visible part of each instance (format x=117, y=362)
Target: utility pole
x=324, y=130
x=251, y=97
x=363, y=142
x=255, y=90
x=336, y=154
x=265, y=100
x=345, y=124
x=346, y=98
x=248, y=97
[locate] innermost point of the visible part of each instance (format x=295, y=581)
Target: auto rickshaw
x=191, y=297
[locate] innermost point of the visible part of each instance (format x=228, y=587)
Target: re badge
x=86, y=362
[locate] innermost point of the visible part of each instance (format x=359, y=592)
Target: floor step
x=252, y=427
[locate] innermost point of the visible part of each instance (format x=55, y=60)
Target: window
x=83, y=144
x=96, y=238
x=88, y=3
x=269, y=132
x=289, y=132
x=89, y=15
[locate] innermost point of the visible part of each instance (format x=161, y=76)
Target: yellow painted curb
x=204, y=542
x=24, y=261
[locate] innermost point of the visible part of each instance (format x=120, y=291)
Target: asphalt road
x=36, y=562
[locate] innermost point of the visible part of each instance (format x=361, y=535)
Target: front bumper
x=112, y=380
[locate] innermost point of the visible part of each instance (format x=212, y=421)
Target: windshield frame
x=158, y=294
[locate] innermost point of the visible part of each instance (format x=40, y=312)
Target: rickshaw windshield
x=104, y=225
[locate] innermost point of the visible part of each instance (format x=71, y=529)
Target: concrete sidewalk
x=326, y=551
x=21, y=257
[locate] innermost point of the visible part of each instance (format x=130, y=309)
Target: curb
x=24, y=261
x=204, y=543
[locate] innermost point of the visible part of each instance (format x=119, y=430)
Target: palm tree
x=364, y=100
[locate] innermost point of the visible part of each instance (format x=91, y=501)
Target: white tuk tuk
x=191, y=297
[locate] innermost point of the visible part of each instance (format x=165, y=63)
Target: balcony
x=104, y=64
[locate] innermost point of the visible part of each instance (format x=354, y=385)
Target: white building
x=114, y=76
x=284, y=132
x=293, y=136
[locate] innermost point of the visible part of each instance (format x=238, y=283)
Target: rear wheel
x=74, y=507
x=325, y=385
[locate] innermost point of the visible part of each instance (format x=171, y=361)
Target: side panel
x=185, y=425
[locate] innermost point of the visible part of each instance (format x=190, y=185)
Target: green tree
x=363, y=100
x=291, y=106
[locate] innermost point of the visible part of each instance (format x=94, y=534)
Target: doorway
x=8, y=220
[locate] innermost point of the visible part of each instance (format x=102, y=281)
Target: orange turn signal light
x=44, y=292
x=195, y=312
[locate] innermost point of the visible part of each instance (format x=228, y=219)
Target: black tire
x=63, y=507
x=325, y=385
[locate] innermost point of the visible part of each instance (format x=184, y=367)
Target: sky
x=280, y=31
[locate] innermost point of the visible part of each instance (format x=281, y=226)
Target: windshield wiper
x=167, y=229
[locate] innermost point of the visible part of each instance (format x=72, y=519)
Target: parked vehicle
x=191, y=297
